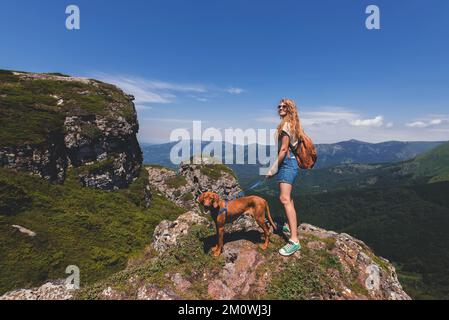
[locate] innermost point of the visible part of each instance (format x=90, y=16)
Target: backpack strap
x=291, y=147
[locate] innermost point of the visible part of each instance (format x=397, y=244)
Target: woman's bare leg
x=286, y=200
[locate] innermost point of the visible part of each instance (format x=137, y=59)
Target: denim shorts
x=288, y=171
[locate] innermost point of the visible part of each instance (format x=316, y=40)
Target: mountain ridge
x=351, y=151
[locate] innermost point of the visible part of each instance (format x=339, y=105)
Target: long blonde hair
x=292, y=118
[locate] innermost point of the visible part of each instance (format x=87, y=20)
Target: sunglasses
x=282, y=107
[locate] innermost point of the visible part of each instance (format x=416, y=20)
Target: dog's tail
x=269, y=216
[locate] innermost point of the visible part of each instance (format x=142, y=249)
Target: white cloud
x=170, y=120
x=149, y=91
x=235, y=91
x=417, y=124
x=328, y=115
x=333, y=124
x=203, y=98
x=331, y=116
x=152, y=91
x=428, y=122
x=375, y=122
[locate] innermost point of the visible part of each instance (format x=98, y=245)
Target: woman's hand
x=270, y=173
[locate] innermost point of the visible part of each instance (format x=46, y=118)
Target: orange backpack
x=305, y=152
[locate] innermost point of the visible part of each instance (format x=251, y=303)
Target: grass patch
x=99, y=167
x=29, y=109
x=176, y=181
x=216, y=171
x=303, y=278
x=187, y=197
x=299, y=280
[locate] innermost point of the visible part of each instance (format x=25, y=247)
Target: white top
x=293, y=141
x=288, y=130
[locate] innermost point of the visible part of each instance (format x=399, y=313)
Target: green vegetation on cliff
x=31, y=107
x=93, y=229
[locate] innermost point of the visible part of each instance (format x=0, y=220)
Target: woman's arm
x=282, y=153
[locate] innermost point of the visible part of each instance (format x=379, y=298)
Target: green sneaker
x=289, y=249
x=285, y=229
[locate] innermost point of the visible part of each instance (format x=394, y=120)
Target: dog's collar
x=225, y=210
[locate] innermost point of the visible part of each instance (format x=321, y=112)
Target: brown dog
x=254, y=205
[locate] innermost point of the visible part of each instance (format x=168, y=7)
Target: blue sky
x=228, y=63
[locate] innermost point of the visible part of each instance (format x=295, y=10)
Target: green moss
x=91, y=131
x=99, y=167
x=216, y=171
x=187, y=197
x=380, y=262
x=96, y=230
x=176, y=181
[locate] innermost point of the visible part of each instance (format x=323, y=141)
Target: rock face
x=69, y=123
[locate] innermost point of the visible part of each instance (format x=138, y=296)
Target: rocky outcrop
x=375, y=276
x=49, y=291
x=82, y=124
x=168, y=233
x=349, y=269
x=185, y=185
x=112, y=154
x=330, y=266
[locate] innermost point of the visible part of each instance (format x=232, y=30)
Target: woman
x=289, y=133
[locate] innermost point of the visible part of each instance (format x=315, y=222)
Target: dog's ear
x=201, y=198
x=216, y=200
